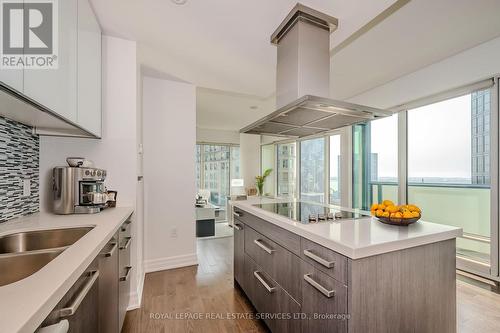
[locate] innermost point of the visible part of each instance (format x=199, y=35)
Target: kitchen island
x=347, y=274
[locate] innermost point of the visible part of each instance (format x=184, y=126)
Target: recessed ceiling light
x=254, y=107
x=179, y=2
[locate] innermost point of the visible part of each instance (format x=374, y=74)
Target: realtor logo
x=29, y=34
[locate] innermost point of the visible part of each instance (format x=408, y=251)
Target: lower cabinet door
x=239, y=252
x=80, y=305
x=280, y=312
x=324, y=302
x=125, y=271
x=108, y=287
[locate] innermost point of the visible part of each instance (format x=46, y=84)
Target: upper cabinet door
x=56, y=89
x=12, y=78
x=89, y=69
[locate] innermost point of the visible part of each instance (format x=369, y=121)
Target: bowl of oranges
x=389, y=213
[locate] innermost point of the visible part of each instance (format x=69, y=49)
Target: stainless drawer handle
x=318, y=259
x=237, y=227
x=112, y=251
x=263, y=282
x=320, y=288
x=123, y=247
x=125, y=225
x=125, y=277
x=259, y=243
x=71, y=310
x=237, y=214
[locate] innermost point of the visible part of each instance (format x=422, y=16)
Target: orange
x=374, y=206
x=391, y=209
x=407, y=215
x=385, y=214
x=388, y=203
x=379, y=213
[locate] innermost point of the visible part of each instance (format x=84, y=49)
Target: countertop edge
x=31, y=321
x=352, y=253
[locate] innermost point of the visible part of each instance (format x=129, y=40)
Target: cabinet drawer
x=325, y=260
x=285, y=238
x=278, y=310
x=125, y=229
x=280, y=264
x=239, y=253
x=324, y=301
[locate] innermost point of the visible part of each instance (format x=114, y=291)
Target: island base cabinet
x=239, y=253
x=324, y=302
x=275, y=307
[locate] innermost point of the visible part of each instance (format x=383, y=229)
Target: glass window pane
x=448, y=167
x=335, y=169
x=383, y=157
x=235, y=162
x=312, y=170
x=267, y=162
x=287, y=170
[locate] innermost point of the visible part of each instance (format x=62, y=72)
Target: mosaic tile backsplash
x=19, y=159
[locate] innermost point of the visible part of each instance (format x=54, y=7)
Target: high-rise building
x=480, y=134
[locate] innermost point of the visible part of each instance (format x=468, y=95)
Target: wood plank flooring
x=208, y=289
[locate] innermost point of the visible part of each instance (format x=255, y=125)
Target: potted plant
x=259, y=181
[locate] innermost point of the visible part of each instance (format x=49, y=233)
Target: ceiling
x=420, y=33
x=222, y=46
x=219, y=44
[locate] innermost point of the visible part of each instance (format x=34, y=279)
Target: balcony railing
x=462, y=205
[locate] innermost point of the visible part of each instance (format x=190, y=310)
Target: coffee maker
x=78, y=190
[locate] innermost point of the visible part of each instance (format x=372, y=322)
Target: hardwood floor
x=208, y=289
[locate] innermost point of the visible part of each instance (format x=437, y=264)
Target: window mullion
x=403, y=157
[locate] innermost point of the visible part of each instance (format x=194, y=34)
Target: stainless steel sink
x=15, y=267
x=41, y=239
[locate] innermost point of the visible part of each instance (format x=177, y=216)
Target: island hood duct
x=303, y=73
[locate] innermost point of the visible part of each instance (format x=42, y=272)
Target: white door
x=56, y=89
x=89, y=69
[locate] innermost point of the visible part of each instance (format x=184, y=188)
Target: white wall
x=169, y=110
x=116, y=151
x=217, y=136
x=472, y=65
x=249, y=158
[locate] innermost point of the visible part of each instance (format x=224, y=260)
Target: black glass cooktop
x=305, y=212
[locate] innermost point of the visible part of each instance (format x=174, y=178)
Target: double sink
x=24, y=253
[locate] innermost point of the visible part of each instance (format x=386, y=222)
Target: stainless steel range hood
x=303, y=74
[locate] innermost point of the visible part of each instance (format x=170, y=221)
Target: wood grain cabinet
x=125, y=270
x=80, y=305
x=276, y=307
x=324, y=302
x=321, y=291
x=239, y=252
x=108, y=287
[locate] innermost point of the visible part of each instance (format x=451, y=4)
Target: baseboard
x=136, y=297
x=161, y=264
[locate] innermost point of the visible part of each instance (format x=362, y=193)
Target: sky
x=439, y=141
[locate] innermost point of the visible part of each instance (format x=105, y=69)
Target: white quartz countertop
x=25, y=304
x=355, y=238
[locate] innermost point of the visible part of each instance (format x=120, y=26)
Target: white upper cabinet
x=12, y=78
x=56, y=89
x=89, y=69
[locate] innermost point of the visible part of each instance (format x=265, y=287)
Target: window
x=335, y=169
x=219, y=163
x=384, y=159
x=267, y=162
x=287, y=171
x=312, y=170
x=448, y=167
x=375, y=162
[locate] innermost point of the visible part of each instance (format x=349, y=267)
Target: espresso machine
x=78, y=190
